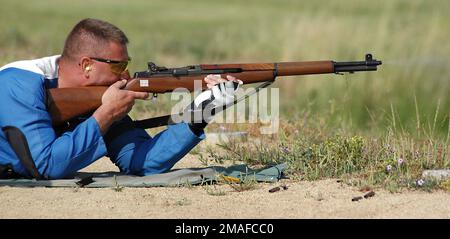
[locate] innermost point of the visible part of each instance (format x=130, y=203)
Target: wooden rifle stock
x=66, y=103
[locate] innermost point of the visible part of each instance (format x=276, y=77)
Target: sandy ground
x=319, y=199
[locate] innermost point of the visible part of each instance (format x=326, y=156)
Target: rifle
x=66, y=103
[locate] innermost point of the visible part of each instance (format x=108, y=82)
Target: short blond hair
x=90, y=37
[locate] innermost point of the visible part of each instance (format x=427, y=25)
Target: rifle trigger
x=154, y=96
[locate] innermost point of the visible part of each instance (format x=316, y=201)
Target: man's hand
x=212, y=80
x=116, y=103
x=220, y=92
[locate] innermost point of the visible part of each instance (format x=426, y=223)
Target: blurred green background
x=410, y=92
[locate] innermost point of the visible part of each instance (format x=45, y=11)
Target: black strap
x=167, y=119
x=19, y=145
x=153, y=122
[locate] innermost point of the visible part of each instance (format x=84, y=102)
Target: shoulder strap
x=167, y=119
x=19, y=145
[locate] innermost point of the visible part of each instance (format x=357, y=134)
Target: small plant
x=182, y=202
x=196, y=151
x=203, y=160
x=178, y=202
x=213, y=191
x=116, y=186
x=245, y=184
x=186, y=184
x=446, y=185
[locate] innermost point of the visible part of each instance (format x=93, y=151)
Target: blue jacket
x=22, y=104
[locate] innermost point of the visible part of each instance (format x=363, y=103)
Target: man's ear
x=86, y=66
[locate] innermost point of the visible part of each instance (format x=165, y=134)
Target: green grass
x=408, y=36
x=405, y=104
x=315, y=151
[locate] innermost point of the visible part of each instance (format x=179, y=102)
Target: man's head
x=96, y=53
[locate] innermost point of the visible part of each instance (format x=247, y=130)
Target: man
x=95, y=53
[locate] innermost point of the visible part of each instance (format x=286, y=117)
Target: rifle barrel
x=278, y=69
x=368, y=65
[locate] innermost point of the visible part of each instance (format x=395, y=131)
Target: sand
x=302, y=199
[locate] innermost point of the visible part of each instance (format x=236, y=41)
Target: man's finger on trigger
x=207, y=79
x=141, y=95
x=218, y=79
x=231, y=78
x=213, y=77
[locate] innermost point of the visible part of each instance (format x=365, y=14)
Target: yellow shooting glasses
x=117, y=67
